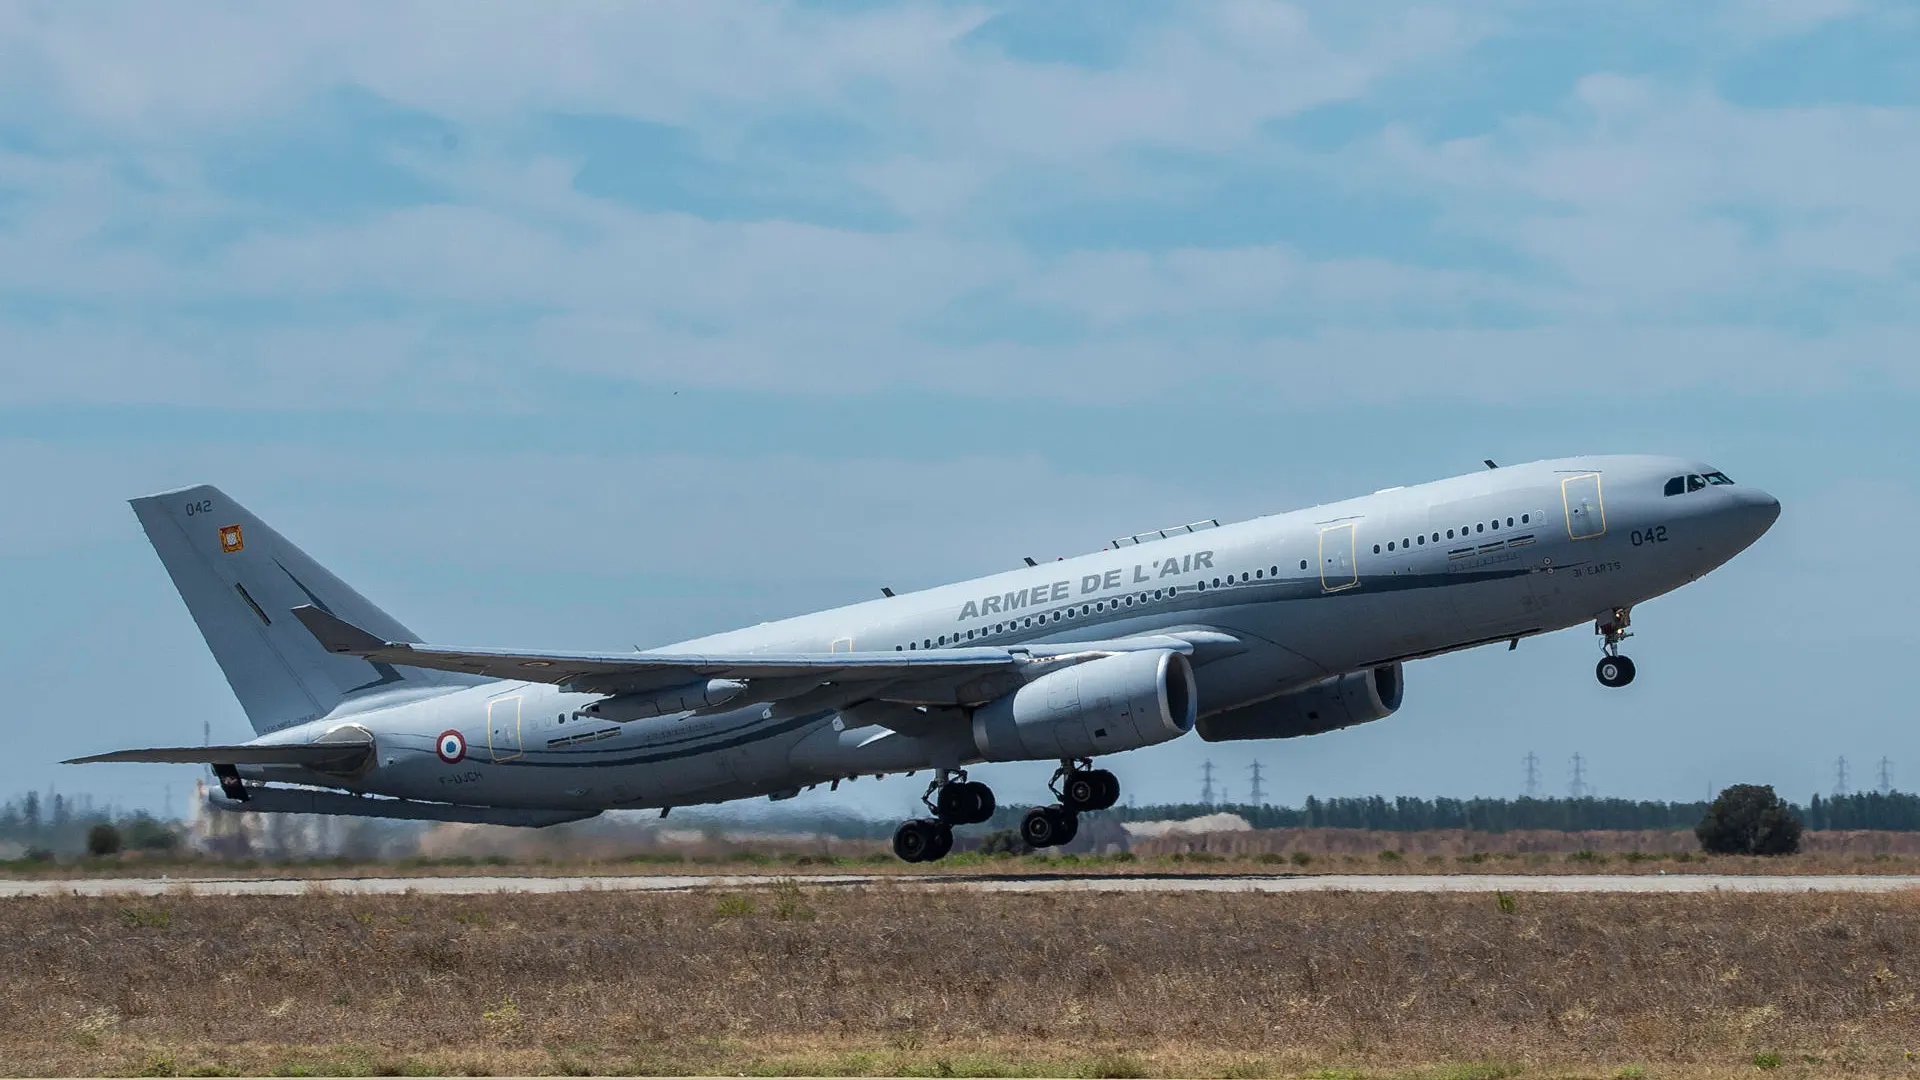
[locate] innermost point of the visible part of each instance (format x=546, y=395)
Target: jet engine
x=1115, y=703
x=1342, y=701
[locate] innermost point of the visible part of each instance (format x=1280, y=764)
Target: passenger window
x=1480, y=528
x=1423, y=540
x=1273, y=571
x=1258, y=574
x=1449, y=534
x=1376, y=547
x=1303, y=564
x=1526, y=519
x=1244, y=578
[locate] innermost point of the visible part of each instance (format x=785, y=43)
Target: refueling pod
x=623, y=708
x=1342, y=701
x=1119, y=702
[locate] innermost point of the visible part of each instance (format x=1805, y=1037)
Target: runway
x=1646, y=884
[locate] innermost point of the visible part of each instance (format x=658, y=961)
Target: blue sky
x=610, y=324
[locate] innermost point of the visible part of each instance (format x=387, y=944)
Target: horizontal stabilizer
x=327, y=757
x=337, y=635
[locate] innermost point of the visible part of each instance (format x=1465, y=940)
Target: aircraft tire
x=1615, y=671
x=984, y=804
x=914, y=841
x=1072, y=822
x=1045, y=826
x=1109, y=789
x=1081, y=791
x=942, y=843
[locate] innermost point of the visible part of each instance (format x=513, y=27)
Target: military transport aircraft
x=1274, y=628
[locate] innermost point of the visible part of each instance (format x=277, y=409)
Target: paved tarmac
x=1383, y=883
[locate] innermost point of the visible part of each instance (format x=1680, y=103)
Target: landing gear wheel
x=963, y=803
x=1615, y=671
x=1093, y=789
x=983, y=802
x=921, y=840
x=1081, y=791
x=1049, y=826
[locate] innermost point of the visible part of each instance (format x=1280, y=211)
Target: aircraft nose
x=1757, y=511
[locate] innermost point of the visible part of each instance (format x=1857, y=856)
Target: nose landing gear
x=1614, y=670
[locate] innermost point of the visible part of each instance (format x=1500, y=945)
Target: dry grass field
x=885, y=979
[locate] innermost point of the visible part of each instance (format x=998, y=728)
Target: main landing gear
x=1614, y=670
x=952, y=799
x=1080, y=788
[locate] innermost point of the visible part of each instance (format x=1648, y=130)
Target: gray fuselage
x=1400, y=574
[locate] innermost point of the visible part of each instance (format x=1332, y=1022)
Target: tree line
x=33, y=823
x=1899, y=812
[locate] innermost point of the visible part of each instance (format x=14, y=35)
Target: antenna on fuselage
x=884, y=591
x=1030, y=561
x=1490, y=463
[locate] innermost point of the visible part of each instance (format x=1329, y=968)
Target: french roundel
x=452, y=747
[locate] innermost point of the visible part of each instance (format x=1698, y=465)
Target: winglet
x=337, y=635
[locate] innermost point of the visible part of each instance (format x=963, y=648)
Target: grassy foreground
x=787, y=980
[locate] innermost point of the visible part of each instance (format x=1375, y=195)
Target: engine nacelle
x=1103, y=706
x=1339, y=702
x=624, y=708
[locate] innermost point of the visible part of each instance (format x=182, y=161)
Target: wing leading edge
x=616, y=673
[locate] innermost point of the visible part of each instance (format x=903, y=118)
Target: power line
x=1206, y=784
x=1533, y=775
x=1578, y=789
x=1840, y=787
x=1256, y=794
x=1886, y=776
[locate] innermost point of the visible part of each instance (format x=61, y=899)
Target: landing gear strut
x=952, y=799
x=1614, y=670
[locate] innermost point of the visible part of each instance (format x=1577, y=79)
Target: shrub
x=103, y=840
x=1003, y=842
x=1749, y=819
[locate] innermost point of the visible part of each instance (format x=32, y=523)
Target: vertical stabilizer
x=241, y=580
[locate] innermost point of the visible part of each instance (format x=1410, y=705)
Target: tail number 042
x=1655, y=535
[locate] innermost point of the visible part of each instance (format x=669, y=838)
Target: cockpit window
x=1681, y=485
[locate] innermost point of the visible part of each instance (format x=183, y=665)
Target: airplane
x=1278, y=627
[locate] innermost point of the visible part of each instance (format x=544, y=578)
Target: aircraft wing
x=632, y=672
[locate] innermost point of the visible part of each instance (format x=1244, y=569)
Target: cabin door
x=503, y=727
x=1586, y=510
x=1338, y=567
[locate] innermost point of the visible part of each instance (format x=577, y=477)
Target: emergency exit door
x=503, y=727
x=1338, y=567
x=1586, y=510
